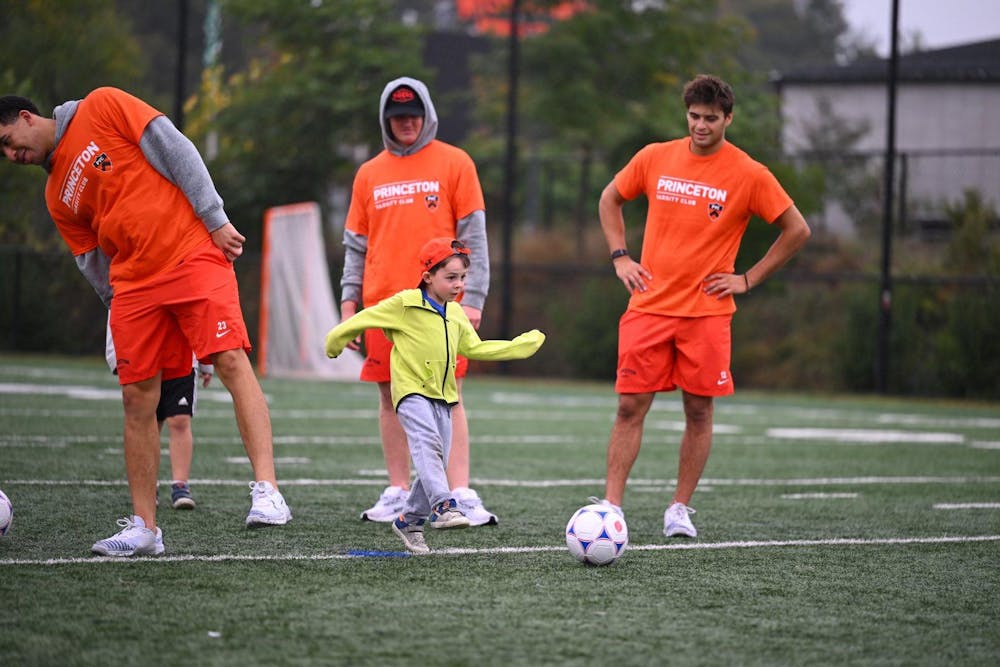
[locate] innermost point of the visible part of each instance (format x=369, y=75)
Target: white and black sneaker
x=134, y=539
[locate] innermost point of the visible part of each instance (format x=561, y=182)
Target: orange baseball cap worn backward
x=437, y=250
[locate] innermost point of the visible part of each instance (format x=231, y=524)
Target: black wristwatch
x=621, y=252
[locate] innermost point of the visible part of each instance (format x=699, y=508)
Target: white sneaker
x=677, y=522
x=268, y=508
x=471, y=506
x=134, y=539
x=389, y=506
x=604, y=501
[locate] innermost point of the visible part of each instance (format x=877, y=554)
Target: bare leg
x=394, y=446
x=181, y=447
x=623, y=446
x=142, y=446
x=458, y=461
x=695, y=445
x=252, y=415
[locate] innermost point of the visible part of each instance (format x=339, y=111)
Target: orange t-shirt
x=102, y=192
x=699, y=207
x=400, y=203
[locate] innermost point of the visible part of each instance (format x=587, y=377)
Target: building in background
x=947, y=137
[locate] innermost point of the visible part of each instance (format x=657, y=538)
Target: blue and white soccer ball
x=6, y=513
x=596, y=535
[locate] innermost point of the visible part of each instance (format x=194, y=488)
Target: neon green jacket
x=425, y=344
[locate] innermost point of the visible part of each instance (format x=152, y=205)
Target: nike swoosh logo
x=223, y=333
x=721, y=382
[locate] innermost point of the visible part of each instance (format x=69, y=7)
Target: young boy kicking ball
x=428, y=330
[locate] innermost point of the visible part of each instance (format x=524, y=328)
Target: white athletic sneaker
x=268, y=508
x=412, y=535
x=471, y=506
x=389, y=506
x=134, y=539
x=594, y=500
x=677, y=522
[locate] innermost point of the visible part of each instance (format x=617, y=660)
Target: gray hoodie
x=471, y=229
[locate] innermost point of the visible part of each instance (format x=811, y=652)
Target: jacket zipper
x=447, y=353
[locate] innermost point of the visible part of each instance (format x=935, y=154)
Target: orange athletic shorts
x=662, y=353
x=376, y=366
x=193, y=306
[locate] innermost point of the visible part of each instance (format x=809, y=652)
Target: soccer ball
x=6, y=513
x=596, y=535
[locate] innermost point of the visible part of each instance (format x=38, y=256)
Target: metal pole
x=182, y=47
x=885, y=297
x=510, y=172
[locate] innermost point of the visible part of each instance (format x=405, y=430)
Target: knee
x=228, y=362
x=179, y=425
x=140, y=399
x=632, y=408
x=698, y=413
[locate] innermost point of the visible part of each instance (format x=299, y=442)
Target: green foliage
x=287, y=125
x=62, y=49
x=51, y=52
x=973, y=247
x=597, y=77
x=942, y=342
x=791, y=31
x=588, y=328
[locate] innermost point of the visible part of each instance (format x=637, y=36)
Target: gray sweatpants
x=427, y=425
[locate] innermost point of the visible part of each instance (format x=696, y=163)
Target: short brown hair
x=709, y=90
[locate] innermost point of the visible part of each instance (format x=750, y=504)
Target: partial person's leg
x=695, y=445
x=268, y=506
x=181, y=453
x=142, y=446
x=394, y=446
x=624, y=443
x=458, y=463
x=458, y=468
x=395, y=453
x=181, y=447
x=252, y=415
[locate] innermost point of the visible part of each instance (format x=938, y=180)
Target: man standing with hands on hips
x=134, y=202
x=675, y=332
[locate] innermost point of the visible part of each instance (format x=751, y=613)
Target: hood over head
x=423, y=98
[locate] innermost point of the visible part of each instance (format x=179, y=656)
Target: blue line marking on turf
x=369, y=553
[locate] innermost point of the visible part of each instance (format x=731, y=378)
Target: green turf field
x=833, y=530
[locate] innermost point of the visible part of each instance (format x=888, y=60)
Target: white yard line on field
x=558, y=483
x=354, y=555
x=967, y=506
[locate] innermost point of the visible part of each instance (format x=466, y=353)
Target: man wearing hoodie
x=415, y=190
x=136, y=206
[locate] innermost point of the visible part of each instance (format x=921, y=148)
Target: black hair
x=12, y=105
x=711, y=91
